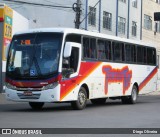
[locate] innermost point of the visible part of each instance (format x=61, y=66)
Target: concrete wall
x=39, y=16
x=109, y=6
x=135, y=15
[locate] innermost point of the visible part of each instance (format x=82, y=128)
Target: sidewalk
x=153, y=93
x=3, y=99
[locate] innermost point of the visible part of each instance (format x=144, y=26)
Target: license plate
x=27, y=93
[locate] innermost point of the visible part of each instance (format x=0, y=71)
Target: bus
x=73, y=66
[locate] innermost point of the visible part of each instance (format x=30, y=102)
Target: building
x=114, y=17
x=151, y=28
x=117, y=17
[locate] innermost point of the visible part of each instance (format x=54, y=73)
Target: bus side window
x=145, y=55
x=151, y=56
x=93, y=49
x=108, y=50
x=129, y=53
x=134, y=54
x=101, y=49
x=118, y=49
x=74, y=58
x=86, y=47
x=73, y=38
x=140, y=54
x=89, y=48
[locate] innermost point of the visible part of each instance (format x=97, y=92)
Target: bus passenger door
x=70, y=68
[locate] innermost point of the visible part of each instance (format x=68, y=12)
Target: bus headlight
x=10, y=86
x=50, y=86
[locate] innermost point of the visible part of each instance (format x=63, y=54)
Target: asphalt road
x=144, y=114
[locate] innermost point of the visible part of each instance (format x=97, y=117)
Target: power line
x=37, y=4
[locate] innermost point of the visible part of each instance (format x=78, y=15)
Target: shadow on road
x=56, y=107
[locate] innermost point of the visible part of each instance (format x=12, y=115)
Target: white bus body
x=89, y=66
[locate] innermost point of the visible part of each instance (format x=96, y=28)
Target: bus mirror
x=7, y=50
x=67, y=49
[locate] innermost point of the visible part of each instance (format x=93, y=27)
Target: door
x=70, y=71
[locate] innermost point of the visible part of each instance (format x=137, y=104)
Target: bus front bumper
x=50, y=95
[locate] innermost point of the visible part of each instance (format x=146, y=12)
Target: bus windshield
x=34, y=55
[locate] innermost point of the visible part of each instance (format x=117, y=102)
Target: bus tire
x=36, y=105
x=98, y=101
x=132, y=99
x=134, y=95
x=81, y=101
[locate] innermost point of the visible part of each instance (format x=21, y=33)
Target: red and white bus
x=71, y=65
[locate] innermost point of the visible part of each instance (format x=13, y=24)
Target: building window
x=107, y=20
x=123, y=1
x=158, y=1
x=134, y=3
x=147, y=22
x=121, y=25
x=92, y=16
x=134, y=28
x=157, y=26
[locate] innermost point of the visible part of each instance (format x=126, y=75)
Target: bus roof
x=86, y=33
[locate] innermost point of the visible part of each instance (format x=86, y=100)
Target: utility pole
x=77, y=9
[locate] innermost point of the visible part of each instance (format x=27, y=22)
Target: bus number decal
x=113, y=75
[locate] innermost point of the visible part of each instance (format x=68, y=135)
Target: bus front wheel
x=36, y=105
x=81, y=101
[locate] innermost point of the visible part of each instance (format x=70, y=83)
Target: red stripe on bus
x=86, y=69
x=148, y=78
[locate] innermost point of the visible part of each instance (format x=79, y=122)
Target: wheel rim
x=134, y=94
x=81, y=98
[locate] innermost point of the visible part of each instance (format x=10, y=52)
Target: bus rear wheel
x=36, y=105
x=98, y=101
x=132, y=99
x=81, y=101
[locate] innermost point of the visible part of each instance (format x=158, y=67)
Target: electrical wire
x=37, y=4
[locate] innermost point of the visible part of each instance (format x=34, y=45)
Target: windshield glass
x=34, y=55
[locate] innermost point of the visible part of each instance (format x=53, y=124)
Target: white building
x=115, y=17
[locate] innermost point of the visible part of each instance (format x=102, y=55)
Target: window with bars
x=123, y=1
x=157, y=26
x=134, y=28
x=107, y=20
x=158, y=1
x=121, y=25
x=147, y=22
x=92, y=16
x=134, y=3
